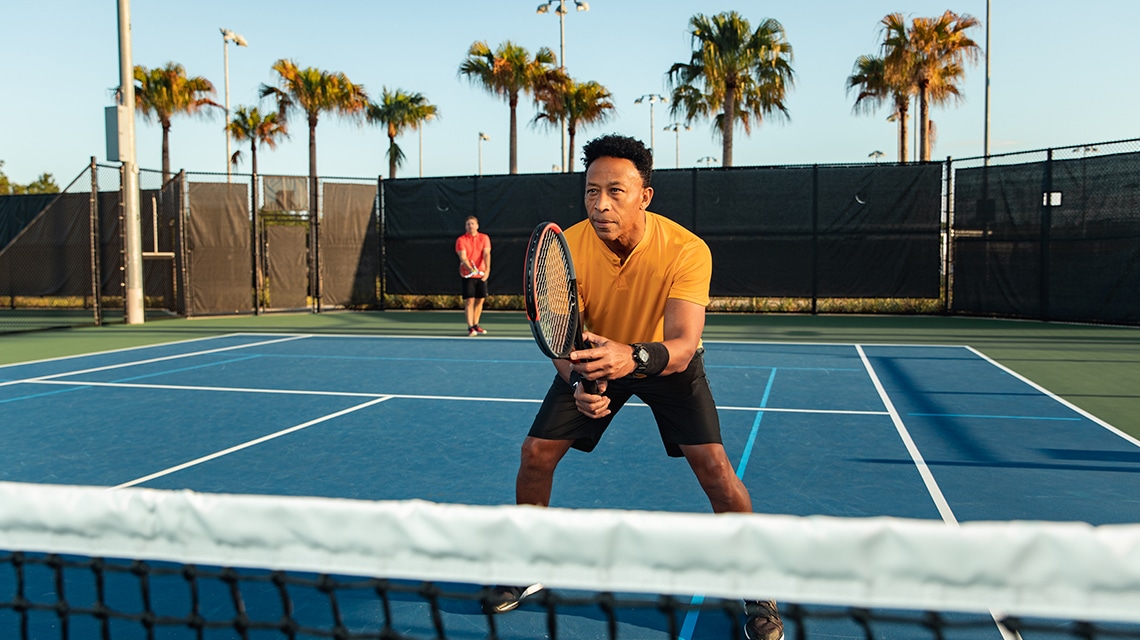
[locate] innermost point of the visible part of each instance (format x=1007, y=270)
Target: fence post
x=946, y=234
x=255, y=245
x=814, y=238
x=383, y=275
x=1046, y=226
x=93, y=228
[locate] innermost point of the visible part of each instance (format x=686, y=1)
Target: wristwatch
x=640, y=358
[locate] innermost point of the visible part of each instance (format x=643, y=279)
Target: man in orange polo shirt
x=643, y=281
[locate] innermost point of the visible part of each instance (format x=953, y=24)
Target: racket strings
x=555, y=307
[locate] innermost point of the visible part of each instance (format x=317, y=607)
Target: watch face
x=642, y=355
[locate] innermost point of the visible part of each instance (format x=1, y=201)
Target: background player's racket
x=470, y=273
x=552, y=295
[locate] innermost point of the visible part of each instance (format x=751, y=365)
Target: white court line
x=245, y=445
x=149, y=361
x=923, y=470
x=1055, y=397
x=405, y=396
x=927, y=477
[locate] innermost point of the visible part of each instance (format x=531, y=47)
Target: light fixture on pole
x=482, y=137
x=675, y=127
x=651, y=98
x=228, y=37
x=560, y=10
x=708, y=161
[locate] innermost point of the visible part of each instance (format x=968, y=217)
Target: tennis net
x=86, y=562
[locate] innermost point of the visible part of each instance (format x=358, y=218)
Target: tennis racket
x=552, y=296
x=470, y=273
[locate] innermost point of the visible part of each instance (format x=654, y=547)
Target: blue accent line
x=690, y=622
x=46, y=393
x=755, y=427
x=181, y=369
x=989, y=417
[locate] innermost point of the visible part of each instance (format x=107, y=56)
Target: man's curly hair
x=615, y=146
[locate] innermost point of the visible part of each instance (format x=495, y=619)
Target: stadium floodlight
x=675, y=127
x=651, y=98
x=560, y=10
x=228, y=37
x=482, y=137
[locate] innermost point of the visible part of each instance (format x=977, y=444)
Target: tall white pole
x=226, y=123
x=986, y=143
x=562, y=63
x=132, y=225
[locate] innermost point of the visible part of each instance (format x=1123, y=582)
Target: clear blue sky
x=1062, y=74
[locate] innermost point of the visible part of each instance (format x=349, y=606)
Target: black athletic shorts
x=682, y=404
x=474, y=288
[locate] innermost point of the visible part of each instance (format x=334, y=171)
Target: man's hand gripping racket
x=552, y=296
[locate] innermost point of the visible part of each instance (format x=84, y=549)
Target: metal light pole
x=132, y=225
x=675, y=127
x=986, y=143
x=482, y=137
x=651, y=98
x=227, y=37
x=561, y=11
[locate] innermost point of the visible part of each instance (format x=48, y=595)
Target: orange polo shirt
x=626, y=302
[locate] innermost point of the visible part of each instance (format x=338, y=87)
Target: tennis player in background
x=474, y=251
x=643, y=282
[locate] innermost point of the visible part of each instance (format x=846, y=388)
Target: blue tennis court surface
x=936, y=432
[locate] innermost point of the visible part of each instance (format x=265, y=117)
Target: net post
x=945, y=235
x=93, y=229
x=255, y=245
x=1046, y=227
x=382, y=276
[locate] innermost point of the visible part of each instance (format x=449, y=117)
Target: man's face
x=472, y=226
x=616, y=200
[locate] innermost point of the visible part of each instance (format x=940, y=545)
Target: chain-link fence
x=61, y=254
x=1050, y=234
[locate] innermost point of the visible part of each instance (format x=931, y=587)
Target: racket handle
x=591, y=386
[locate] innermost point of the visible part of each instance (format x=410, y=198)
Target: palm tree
x=507, y=71
x=869, y=77
x=398, y=110
x=313, y=92
x=248, y=123
x=576, y=103
x=742, y=74
x=930, y=59
x=167, y=91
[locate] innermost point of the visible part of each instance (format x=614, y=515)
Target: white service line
x=923, y=470
x=149, y=361
x=927, y=477
x=250, y=443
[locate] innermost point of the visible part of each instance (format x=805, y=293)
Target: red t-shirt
x=475, y=246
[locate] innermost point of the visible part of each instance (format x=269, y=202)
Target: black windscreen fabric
x=51, y=254
x=1076, y=259
x=16, y=211
x=758, y=222
x=218, y=230
x=424, y=217
x=350, y=245
x=288, y=271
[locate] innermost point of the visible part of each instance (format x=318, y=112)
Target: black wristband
x=650, y=358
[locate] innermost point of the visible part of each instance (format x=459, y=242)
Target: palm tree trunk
x=514, y=143
x=571, y=129
x=924, y=125
x=391, y=157
x=729, y=121
x=165, y=151
x=904, y=115
x=253, y=154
